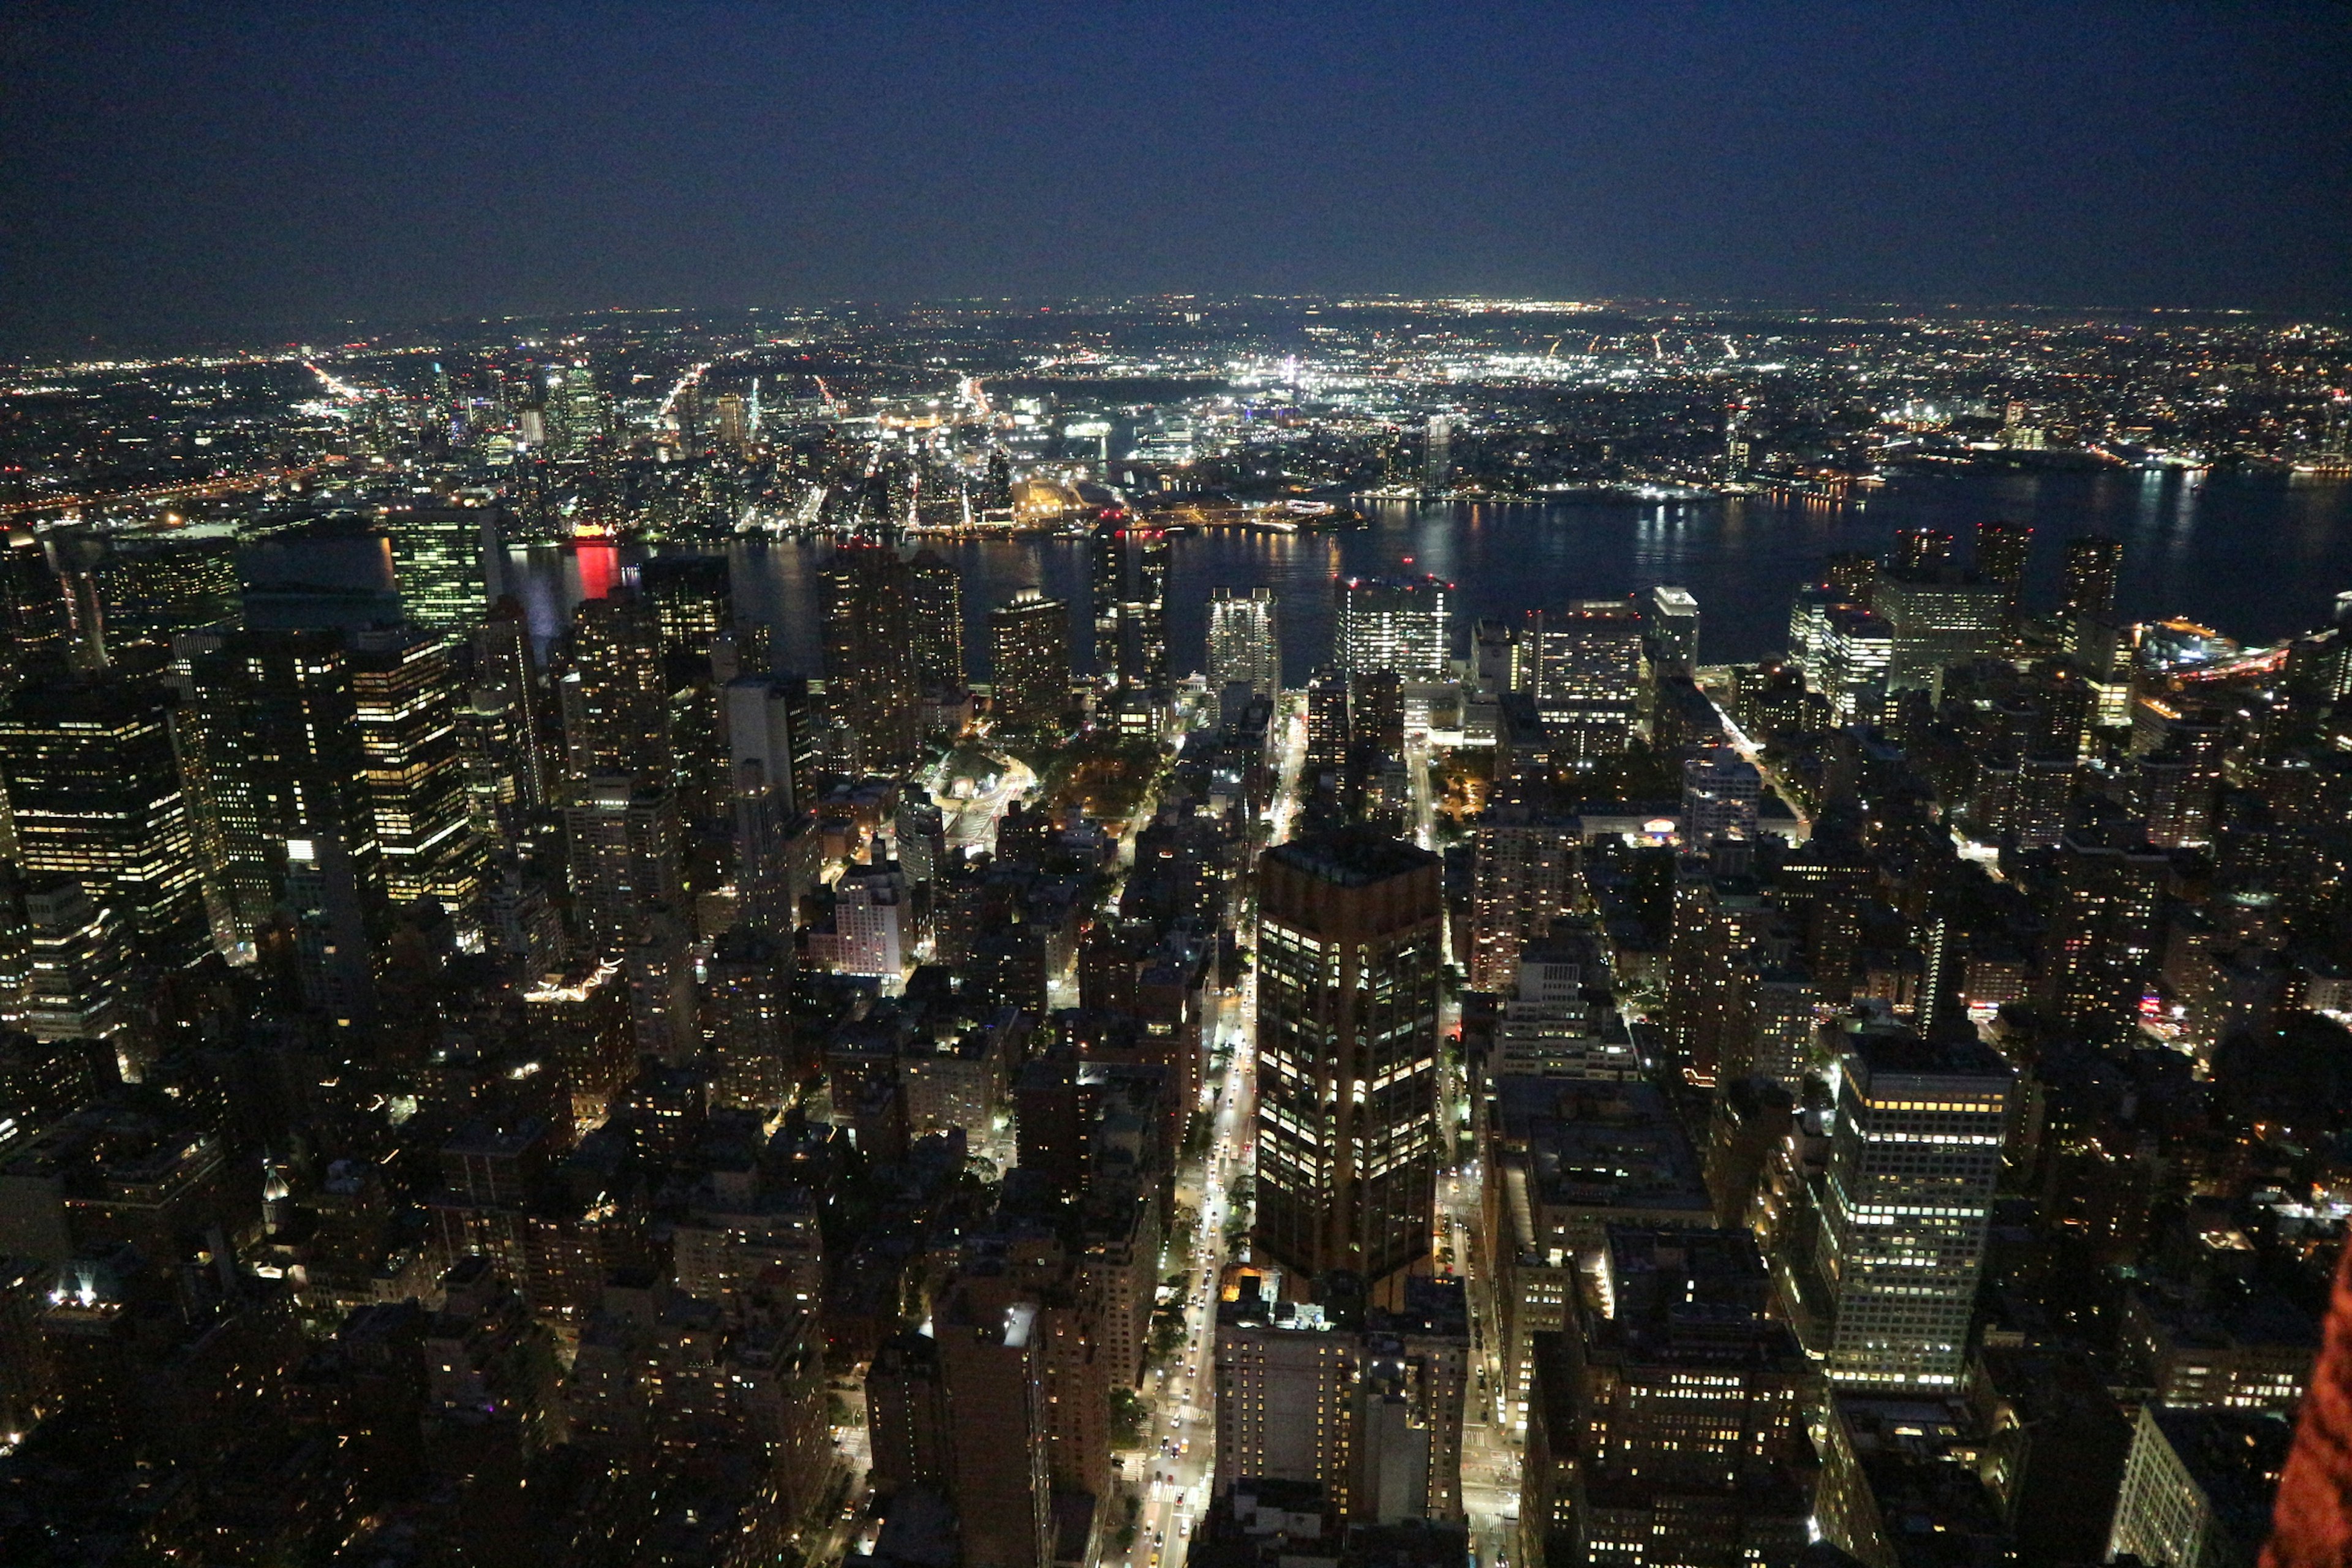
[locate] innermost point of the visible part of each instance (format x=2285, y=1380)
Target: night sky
x=171, y=173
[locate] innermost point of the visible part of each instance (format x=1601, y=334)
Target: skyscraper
x=440, y=559
x=1395, y=623
x=936, y=588
x=404, y=701
x=1585, y=668
x=1245, y=645
x=1131, y=593
x=1925, y=551
x=1673, y=630
x=1436, y=452
x=1937, y=621
x=614, y=696
x=692, y=598
x=869, y=655
x=270, y=741
x=94, y=794
x=2002, y=549
x=1347, y=1041
x=1029, y=653
x=2093, y=561
x=1915, y=1154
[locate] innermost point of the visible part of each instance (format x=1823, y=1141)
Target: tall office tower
x=1327, y=718
x=94, y=793
x=405, y=699
x=1914, y=1158
x=1130, y=591
x=270, y=724
x=1522, y=863
x=614, y=696
x=1029, y=655
x=745, y=1010
x=692, y=598
x=80, y=986
x=1346, y=1043
x=990, y=1353
x=1925, y=551
x=734, y=424
x=1720, y=792
x=869, y=658
x=440, y=562
x=1584, y=665
x=2093, y=563
x=33, y=609
x=1857, y=646
x=506, y=669
x=1673, y=630
x=762, y=725
x=1436, y=452
x=1935, y=623
x=1396, y=623
x=1494, y=653
x=622, y=839
x=1853, y=573
x=2201, y=1491
x=2100, y=951
x=937, y=589
x=1671, y=1428
x=1244, y=641
x=2002, y=549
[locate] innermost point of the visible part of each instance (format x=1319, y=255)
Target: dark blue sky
x=175, y=171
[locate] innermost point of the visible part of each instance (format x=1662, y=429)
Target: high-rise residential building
x=622, y=835
x=614, y=695
x=1914, y=1156
x=1584, y=669
x=1720, y=792
x=1669, y=1427
x=2002, y=551
x=2093, y=563
x=692, y=598
x=763, y=736
x=95, y=793
x=1436, y=452
x=1673, y=630
x=1029, y=655
x=1521, y=865
x=1923, y=551
x=744, y=1009
x=34, y=614
x=405, y=702
x=990, y=1356
x=1347, y=1044
x=1327, y=718
x=1853, y=573
x=1130, y=600
x=1364, y=1406
x=1244, y=641
x=937, y=590
x=869, y=657
x=440, y=561
x=1400, y=625
x=2101, y=949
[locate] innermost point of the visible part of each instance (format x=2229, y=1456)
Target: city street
x=1177, y=1466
